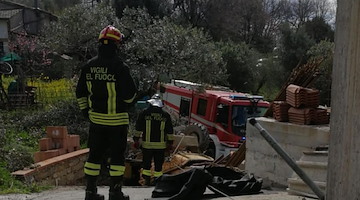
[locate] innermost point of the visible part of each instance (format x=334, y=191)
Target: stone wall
x=67, y=169
x=262, y=159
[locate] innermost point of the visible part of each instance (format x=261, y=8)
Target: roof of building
x=9, y=9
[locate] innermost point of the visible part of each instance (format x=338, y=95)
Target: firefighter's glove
x=169, y=146
x=136, y=143
x=85, y=113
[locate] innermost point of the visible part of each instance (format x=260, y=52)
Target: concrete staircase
x=314, y=164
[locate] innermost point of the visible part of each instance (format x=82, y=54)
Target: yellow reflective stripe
x=130, y=100
x=116, y=173
x=92, y=169
x=110, y=35
x=170, y=136
x=83, y=103
x=137, y=133
x=110, y=116
x=117, y=167
x=148, y=130
x=154, y=145
x=116, y=170
x=109, y=122
x=89, y=87
x=111, y=97
x=109, y=119
x=146, y=172
x=91, y=172
x=162, y=134
x=92, y=165
x=157, y=174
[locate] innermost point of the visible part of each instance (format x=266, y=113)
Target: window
x=2, y=50
x=201, y=109
x=184, y=107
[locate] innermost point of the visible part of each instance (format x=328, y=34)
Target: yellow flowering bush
x=48, y=92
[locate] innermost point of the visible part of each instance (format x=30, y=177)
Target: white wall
x=263, y=161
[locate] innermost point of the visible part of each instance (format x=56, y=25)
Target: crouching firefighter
x=157, y=135
x=104, y=91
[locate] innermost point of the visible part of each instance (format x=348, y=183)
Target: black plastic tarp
x=192, y=183
x=233, y=183
x=188, y=185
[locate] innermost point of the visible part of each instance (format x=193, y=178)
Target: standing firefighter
x=157, y=135
x=104, y=91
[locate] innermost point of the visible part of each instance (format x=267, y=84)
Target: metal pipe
x=273, y=143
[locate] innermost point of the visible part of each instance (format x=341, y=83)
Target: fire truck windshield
x=240, y=114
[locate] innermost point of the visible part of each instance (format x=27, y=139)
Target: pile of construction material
x=57, y=142
x=300, y=107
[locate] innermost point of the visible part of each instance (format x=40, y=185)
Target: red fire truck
x=217, y=116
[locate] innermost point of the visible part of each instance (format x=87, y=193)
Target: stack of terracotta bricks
x=281, y=111
x=300, y=107
x=57, y=142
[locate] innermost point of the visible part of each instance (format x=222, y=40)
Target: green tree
x=76, y=30
x=159, y=8
x=241, y=66
x=324, y=50
x=319, y=30
x=293, y=46
x=158, y=46
x=152, y=47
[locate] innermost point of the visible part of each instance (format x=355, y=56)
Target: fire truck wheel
x=211, y=150
x=201, y=134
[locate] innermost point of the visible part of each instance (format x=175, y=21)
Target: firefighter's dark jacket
x=105, y=89
x=156, y=128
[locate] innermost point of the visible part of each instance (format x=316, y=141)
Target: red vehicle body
x=222, y=115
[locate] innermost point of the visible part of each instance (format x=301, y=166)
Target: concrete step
x=315, y=156
x=298, y=187
x=314, y=164
x=317, y=171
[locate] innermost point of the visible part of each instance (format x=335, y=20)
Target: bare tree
x=325, y=9
x=276, y=12
x=192, y=11
x=302, y=10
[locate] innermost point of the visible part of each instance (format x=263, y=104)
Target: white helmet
x=156, y=101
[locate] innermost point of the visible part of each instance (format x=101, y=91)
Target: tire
x=211, y=150
x=201, y=133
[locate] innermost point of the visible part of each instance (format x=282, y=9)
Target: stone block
x=60, y=143
x=44, y=155
x=73, y=143
x=45, y=144
x=59, y=132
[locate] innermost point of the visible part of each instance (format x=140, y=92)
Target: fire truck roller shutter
x=201, y=133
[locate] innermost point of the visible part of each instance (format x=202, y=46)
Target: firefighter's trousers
x=158, y=156
x=103, y=139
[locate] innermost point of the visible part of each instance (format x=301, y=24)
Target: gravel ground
x=139, y=193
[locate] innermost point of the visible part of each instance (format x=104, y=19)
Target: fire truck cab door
x=222, y=115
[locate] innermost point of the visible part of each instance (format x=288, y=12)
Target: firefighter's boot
x=91, y=190
x=147, y=180
x=115, y=192
x=93, y=195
